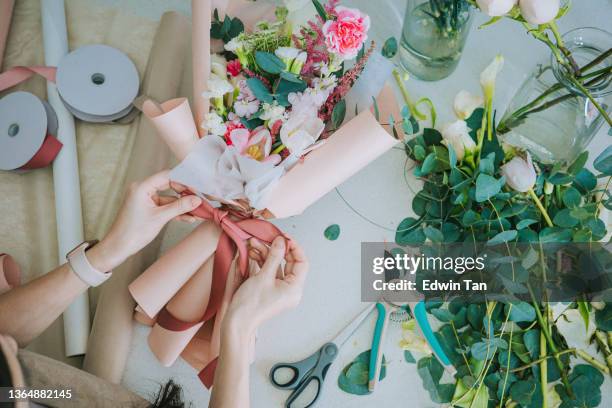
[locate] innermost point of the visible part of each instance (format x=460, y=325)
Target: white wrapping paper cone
x=68, y=212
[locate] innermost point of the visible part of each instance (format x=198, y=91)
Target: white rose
x=300, y=131
x=465, y=103
x=519, y=173
x=457, y=135
x=496, y=8
x=217, y=87
x=539, y=11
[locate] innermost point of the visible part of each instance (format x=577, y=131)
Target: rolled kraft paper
x=68, y=213
x=348, y=150
x=189, y=305
x=6, y=14
x=173, y=121
x=162, y=280
x=10, y=273
x=200, y=51
x=111, y=334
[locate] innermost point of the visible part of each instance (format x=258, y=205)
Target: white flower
x=457, y=136
x=313, y=97
x=218, y=65
x=519, y=173
x=244, y=108
x=293, y=58
x=287, y=53
x=272, y=112
x=496, y=8
x=465, y=103
x=539, y=11
x=488, y=76
x=213, y=124
x=233, y=45
x=217, y=87
x=300, y=131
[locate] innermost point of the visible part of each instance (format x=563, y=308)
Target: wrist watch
x=82, y=268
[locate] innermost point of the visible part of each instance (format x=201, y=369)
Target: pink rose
x=346, y=34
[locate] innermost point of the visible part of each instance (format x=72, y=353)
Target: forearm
x=27, y=310
x=231, y=385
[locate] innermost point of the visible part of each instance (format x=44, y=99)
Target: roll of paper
x=68, y=213
x=200, y=49
x=6, y=14
x=111, y=333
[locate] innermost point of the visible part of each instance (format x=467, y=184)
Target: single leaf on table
x=353, y=379
x=409, y=357
x=332, y=232
x=389, y=48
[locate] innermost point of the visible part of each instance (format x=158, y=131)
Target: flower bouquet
x=512, y=351
x=273, y=142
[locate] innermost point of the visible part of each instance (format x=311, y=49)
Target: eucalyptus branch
x=592, y=361
x=540, y=360
x=602, y=343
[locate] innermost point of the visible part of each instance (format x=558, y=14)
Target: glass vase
x=433, y=37
x=549, y=115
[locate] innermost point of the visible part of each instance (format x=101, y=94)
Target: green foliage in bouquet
x=478, y=190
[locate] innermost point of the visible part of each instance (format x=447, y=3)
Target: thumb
x=274, y=259
x=181, y=206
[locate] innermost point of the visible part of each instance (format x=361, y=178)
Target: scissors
x=316, y=366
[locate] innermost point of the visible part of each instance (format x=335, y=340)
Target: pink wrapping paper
x=6, y=14
x=200, y=50
x=348, y=150
x=174, y=123
x=10, y=273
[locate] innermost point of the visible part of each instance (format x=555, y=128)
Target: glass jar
x=549, y=115
x=433, y=37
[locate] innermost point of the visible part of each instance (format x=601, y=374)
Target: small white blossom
x=217, y=87
x=213, y=123
x=244, y=108
x=233, y=45
x=272, y=112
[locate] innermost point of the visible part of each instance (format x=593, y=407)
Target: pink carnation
x=346, y=34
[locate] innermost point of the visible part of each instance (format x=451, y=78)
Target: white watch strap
x=77, y=259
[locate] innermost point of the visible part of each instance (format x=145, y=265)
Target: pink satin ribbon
x=19, y=74
x=10, y=273
x=236, y=231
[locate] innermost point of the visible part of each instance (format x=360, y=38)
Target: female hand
x=271, y=288
x=142, y=216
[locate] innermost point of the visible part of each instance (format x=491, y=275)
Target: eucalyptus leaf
x=269, y=62
x=260, y=91
x=603, y=162
x=390, y=48
x=486, y=187
x=339, y=113
x=332, y=232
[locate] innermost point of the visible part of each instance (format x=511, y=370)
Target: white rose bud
x=465, y=103
x=457, y=136
x=519, y=173
x=496, y=8
x=539, y=11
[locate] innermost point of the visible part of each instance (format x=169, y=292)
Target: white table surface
x=332, y=294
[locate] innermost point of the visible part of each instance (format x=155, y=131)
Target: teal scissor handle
x=376, y=339
x=420, y=314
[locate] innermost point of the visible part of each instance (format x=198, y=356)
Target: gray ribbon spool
x=25, y=121
x=97, y=83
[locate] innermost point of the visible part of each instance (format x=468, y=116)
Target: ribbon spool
x=97, y=83
x=27, y=129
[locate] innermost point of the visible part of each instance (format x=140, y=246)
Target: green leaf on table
x=430, y=371
x=269, y=62
x=603, y=162
x=579, y=163
x=603, y=318
x=332, y=232
x=353, y=378
x=502, y=237
x=564, y=219
x=572, y=198
x=260, y=91
x=585, y=181
x=409, y=357
x=389, y=48
x=520, y=312
x=339, y=113
x=487, y=187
